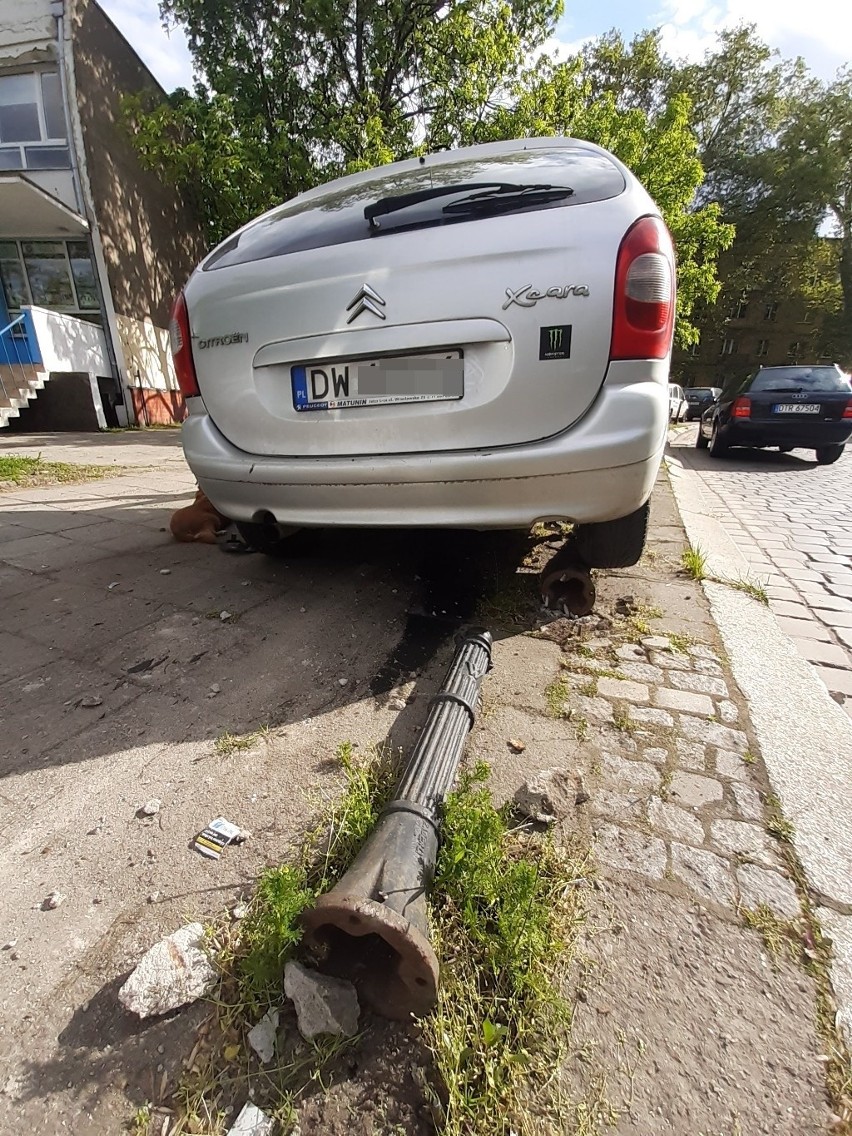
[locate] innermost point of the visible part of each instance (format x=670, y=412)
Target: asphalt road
x=792, y=520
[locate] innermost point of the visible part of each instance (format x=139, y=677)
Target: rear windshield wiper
x=506, y=200
x=490, y=189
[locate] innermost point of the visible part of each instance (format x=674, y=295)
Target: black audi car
x=698, y=399
x=787, y=407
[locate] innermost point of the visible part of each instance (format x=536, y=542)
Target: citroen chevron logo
x=367, y=300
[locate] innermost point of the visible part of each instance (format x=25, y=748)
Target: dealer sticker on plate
x=377, y=382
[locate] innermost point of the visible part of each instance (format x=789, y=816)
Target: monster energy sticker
x=555, y=342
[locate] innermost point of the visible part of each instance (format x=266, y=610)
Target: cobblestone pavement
x=792, y=521
x=676, y=797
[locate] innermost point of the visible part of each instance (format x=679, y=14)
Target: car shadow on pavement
x=106, y=650
x=743, y=459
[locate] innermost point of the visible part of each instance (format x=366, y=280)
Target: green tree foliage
x=776, y=148
x=290, y=95
x=813, y=186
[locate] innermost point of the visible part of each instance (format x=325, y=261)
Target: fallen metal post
x=372, y=926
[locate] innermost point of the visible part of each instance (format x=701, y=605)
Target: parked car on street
x=475, y=339
x=677, y=403
x=787, y=407
x=698, y=399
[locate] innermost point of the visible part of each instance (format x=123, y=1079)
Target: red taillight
x=741, y=408
x=644, y=307
x=847, y=412
x=182, y=348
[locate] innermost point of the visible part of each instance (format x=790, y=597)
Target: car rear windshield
x=799, y=379
x=336, y=217
x=699, y=392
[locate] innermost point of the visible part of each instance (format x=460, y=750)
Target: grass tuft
x=556, y=694
x=752, y=588
x=693, y=560
x=227, y=744
x=779, y=937
x=505, y=922
x=777, y=824
x=27, y=473
x=623, y=723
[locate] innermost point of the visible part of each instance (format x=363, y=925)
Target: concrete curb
x=805, y=737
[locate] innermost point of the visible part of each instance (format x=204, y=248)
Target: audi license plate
x=435, y=377
x=796, y=408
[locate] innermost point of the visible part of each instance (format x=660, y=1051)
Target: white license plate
x=796, y=408
x=435, y=377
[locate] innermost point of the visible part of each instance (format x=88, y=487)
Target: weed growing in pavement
x=581, y=726
x=511, y=604
x=588, y=689
x=556, y=695
x=227, y=744
x=693, y=560
x=815, y=956
x=777, y=824
x=140, y=1122
x=31, y=472
x=596, y=671
x=637, y=621
x=750, y=587
x=748, y=757
x=679, y=641
x=509, y=919
x=779, y=936
x=623, y=723
x=251, y=955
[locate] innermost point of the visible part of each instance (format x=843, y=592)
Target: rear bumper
x=604, y=467
x=694, y=412
x=808, y=435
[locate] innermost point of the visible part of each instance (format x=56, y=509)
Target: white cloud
x=820, y=31
x=165, y=53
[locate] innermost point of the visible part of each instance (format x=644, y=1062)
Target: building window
x=52, y=274
x=738, y=310
x=32, y=122
x=770, y=312
x=729, y=346
x=794, y=350
x=762, y=348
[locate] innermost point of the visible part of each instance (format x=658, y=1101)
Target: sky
x=818, y=30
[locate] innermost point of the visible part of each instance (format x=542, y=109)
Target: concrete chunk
x=174, y=972
x=323, y=1004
